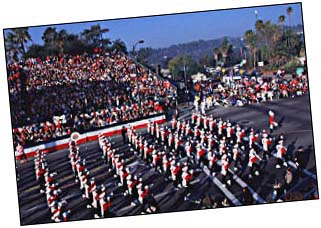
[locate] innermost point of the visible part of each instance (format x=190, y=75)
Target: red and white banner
x=89, y=136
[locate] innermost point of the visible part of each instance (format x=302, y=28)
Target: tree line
x=59, y=42
x=274, y=45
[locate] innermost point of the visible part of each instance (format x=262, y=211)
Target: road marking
x=243, y=184
x=219, y=184
x=195, y=181
x=295, y=132
x=164, y=193
x=126, y=208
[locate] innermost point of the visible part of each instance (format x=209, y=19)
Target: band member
x=272, y=122
x=266, y=143
x=187, y=176
x=280, y=153
x=253, y=159
x=21, y=153
x=105, y=205
x=225, y=165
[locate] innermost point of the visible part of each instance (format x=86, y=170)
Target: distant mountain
x=200, y=48
x=195, y=49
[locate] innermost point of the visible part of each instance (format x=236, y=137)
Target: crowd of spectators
x=245, y=90
x=51, y=98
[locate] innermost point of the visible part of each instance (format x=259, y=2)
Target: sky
x=163, y=31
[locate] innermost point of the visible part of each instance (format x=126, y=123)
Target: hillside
x=195, y=49
x=200, y=48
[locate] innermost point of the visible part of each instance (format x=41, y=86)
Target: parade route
x=32, y=203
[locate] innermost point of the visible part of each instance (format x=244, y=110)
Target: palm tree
x=259, y=25
x=217, y=52
x=12, y=51
x=281, y=21
x=260, y=30
x=94, y=36
x=23, y=37
x=289, y=11
x=49, y=36
x=16, y=41
x=226, y=49
x=251, y=38
x=61, y=39
x=119, y=45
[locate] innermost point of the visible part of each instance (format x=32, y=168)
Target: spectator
x=53, y=97
x=247, y=198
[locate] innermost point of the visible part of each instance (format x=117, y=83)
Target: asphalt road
x=294, y=115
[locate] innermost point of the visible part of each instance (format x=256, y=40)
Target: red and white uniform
x=149, y=127
x=212, y=160
x=265, y=142
x=188, y=130
x=174, y=123
x=197, y=132
x=186, y=177
x=166, y=164
x=222, y=148
x=175, y=170
x=188, y=149
x=220, y=127
x=178, y=142
x=253, y=157
x=200, y=153
x=142, y=193
x=272, y=120
x=206, y=123
x=194, y=117
x=252, y=139
x=170, y=139
x=229, y=130
x=240, y=135
x=90, y=188
x=105, y=149
x=156, y=158
x=104, y=205
x=152, y=129
x=212, y=124
x=148, y=151
x=163, y=134
x=20, y=150
x=157, y=131
x=280, y=150
x=97, y=195
x=123, y=175
x=225, y=166
x=131, y=184
x=235, y=152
